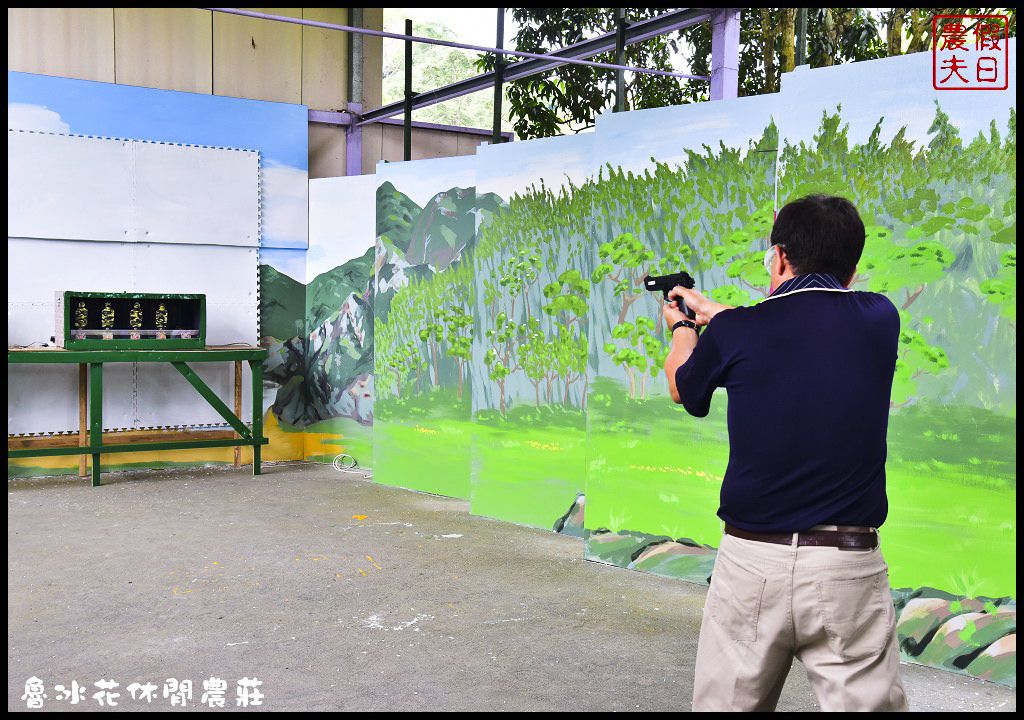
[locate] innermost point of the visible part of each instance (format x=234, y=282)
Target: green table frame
x=179, y=359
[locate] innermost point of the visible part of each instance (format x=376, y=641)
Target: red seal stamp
x=970, y=52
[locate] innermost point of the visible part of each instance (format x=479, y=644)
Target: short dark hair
x=821, y=234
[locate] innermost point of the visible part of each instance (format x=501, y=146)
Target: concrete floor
x=418, y=606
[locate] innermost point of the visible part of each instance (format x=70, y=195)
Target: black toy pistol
x=665, y=283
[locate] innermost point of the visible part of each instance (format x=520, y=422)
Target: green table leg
x=95, y=416
x=257, y=413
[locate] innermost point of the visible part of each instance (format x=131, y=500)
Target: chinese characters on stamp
x=970, y=52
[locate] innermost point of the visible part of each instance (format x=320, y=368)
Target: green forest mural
x=530, y=345
x=516, y=357
x=424, y=327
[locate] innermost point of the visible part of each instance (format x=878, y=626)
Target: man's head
x=817, y=234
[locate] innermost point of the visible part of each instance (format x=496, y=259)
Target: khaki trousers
x=829, y=608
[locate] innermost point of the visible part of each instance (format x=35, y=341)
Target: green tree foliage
x=533, y=305
x=426, y=338
x=834, y=36
x=914, y=358
x=571, y=96
x=910, y=30
x=625, y=262
x=940, y=221
x=1002, y=289
x=641, y=352
x=930, y=226
x=561, y=272
x=434, y=66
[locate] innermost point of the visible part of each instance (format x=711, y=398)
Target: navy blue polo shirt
x=808, y=372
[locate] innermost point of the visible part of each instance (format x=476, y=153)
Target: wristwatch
x=686, y=323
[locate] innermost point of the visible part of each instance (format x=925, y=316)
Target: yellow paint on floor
x=318, y=444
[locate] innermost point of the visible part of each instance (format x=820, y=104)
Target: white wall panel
x=37, y=268
x=68, y=187
x=227, y=275
x=165, y=397
x=187, y=194
x=44, y=398
x=178, y=182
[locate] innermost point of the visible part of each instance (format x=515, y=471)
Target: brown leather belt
x=826, y=538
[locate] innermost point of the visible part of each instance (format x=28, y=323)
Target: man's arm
x=684, y=339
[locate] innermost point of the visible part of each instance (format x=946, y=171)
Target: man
x=808, y=373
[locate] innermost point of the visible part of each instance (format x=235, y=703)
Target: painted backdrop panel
x=933, y=175
x=531, y=273
x=277, y=131
x=339, y=381
x=687, y=188
x=426, y=233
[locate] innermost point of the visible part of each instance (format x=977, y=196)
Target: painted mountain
x=420, y=242
x=324, y=370
x=339, y=350
x=320, y=335
x=282, y=303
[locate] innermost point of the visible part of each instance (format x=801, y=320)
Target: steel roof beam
x=637, y=32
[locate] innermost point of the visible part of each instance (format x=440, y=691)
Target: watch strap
x=686, y=323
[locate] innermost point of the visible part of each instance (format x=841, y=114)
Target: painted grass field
x=423, y=443
x=327, y=439
x=950, y=526
x=647, y=467
x=529, y=468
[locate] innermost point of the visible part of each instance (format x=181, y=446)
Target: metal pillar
x=354, y=132
x=499, y=76
x=356, y=59
x=407, y=134
x=354, y=142
x=725, y=53
x=620, y=59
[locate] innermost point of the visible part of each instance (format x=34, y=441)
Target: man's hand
x=672, y=314
x=705, y=308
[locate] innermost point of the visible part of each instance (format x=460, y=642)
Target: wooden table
x=93, y=360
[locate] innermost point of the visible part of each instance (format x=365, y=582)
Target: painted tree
x=535, y=355
x=567, y=298
x=624, y=262
x=496, y=257
x=535, y=294
x=904, y=249
x=997, y=158
x=502, y=356
x=1002, y=289
x=640, y=352
x=569, y=358
x=456, y=297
